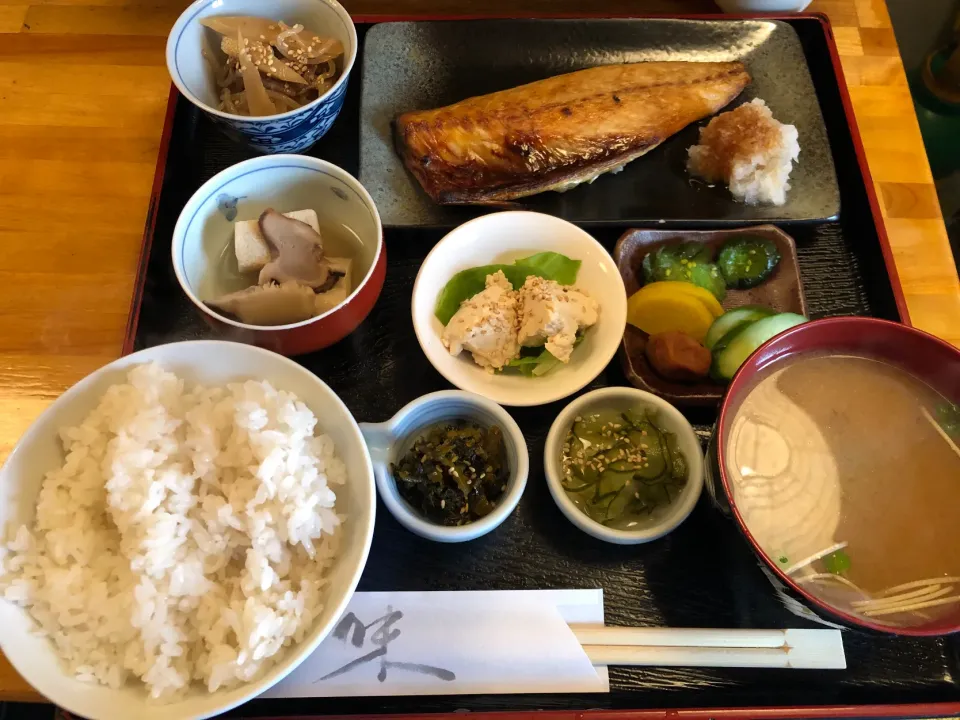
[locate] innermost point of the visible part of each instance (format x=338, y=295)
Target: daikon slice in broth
x=844, y=470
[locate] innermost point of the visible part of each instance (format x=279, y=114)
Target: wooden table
x=83, y=88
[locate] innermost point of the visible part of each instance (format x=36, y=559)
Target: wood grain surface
x=83, y=90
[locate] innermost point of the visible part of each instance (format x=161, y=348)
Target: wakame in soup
x=846, y=471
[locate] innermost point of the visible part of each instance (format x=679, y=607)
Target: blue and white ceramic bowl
x=288, y=132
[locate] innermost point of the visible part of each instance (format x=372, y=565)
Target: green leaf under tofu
x=467, y=283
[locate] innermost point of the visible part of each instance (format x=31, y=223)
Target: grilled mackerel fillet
x=557, y=133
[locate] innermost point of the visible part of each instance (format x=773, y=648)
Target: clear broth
x=224, y=275
x=844, y=452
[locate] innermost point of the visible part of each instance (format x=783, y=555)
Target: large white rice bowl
x=163, y=584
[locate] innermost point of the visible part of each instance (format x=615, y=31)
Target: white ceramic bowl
x=388, y=442
x=502, y=238
x=292, y=131
x=348, y=219
x=669, y=419
x=39, y=451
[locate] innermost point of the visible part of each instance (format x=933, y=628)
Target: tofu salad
x=527, y=316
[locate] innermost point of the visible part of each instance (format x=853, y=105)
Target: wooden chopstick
x=706, y=647
x=678, y=637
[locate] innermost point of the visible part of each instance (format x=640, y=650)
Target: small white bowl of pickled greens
x=519, y=307
x=623, y=465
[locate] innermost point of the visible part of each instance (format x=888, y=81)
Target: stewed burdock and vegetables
x=454, y=473
x=267, y=67
x=621, y=468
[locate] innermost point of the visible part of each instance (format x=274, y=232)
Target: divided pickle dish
x=380, y=355
x=781, y=292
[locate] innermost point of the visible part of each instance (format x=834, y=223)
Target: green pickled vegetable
x=693, y=252
x=690, y=262
x=735, y=347
x=746, y=261
x=612, y=482
x=674, y=262
x=456, y=472
x=654, y=448
x=575, y=485
x=618, y=506
x=708, y=277
x=677, y=464
x=619, y=468
x=733, y=319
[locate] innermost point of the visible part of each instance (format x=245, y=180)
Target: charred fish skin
x=556, y=133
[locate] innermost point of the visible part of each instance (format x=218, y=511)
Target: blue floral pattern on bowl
x=287, y=135
x=293, y=131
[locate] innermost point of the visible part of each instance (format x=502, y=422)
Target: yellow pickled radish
x=674, y=286
x=656, y=310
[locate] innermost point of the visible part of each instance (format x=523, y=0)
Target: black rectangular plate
x=701, y=575
x=424, y=65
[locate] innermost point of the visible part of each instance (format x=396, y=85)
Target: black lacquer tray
x=702, y=574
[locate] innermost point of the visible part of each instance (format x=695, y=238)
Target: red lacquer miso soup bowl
x=837, y=453
x=213, y=260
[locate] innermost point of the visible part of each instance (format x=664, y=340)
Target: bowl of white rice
x=179, y=530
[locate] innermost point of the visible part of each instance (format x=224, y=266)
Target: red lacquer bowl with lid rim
x=924, y=356
x=348, y=220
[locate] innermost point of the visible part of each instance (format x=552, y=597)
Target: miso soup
x=846, y=471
